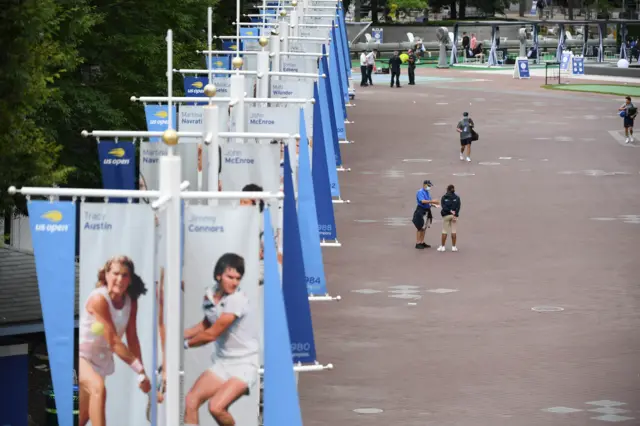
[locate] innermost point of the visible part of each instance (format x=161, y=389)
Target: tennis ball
x=97, y=328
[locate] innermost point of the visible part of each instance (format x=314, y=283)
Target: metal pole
x=170, y=186
x=210, y=41
x=211, y=138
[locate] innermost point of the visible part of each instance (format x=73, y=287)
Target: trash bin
x=50, y=407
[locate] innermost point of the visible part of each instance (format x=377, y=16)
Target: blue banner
x=281, y=403
x=345, y=40
x=231, y=45
x=296, y=299
x=53, y=233
x=194, y=88
x=320, y=174
x=308, y=219
x=218, y=62
x=250, y=44
x=331, y=130
x=158, y=119
x=336, y=92
x=342, y=66
x=118, y=166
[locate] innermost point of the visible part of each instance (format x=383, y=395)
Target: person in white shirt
x=363, y=69
x=107, y=320
x=229, y=321
x=371, y=61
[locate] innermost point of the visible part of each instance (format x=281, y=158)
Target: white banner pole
x=211, y=130
x=274, y=49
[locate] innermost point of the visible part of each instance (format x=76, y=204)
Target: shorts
x=421, y=218
x=100, y=358
x=628, y=122
x=244, y=368
x=448, y=225
x=465, y=142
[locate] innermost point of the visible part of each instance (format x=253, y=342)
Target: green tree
x=39, y=46
x=125, y=55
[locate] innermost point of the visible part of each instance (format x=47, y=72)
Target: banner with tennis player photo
x=221, y=314
x=116, y=306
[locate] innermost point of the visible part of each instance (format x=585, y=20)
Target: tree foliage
x=69, y=65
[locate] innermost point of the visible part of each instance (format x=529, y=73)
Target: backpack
x=632, y=111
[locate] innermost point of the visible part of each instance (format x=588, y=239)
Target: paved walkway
x=550, y=218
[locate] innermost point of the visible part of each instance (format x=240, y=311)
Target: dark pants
x=363, y=71
x=412, y=74
x=395, y=75
x=369, y=72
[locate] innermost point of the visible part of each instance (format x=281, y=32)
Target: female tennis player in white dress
x=108, y=315
x=229, y=321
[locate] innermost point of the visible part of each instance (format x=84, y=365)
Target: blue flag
x=329, y=130
x=219, y=62
x=53, y=233
x=118, y=166
x=158, y=118
x=281, y=403
x=311, y=251
x=336, y=91
x=342, y=72
x=330, y=111
x=345, y=41
x=320, y=174
x=296, y=299
x=194, y=88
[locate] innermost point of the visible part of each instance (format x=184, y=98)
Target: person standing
x=371, y=61
x=394, y=68
x=473, y=42
x=465, y=45
x=465, y=128
x=630, y=113
x=540, y=4
x=412, y=68
x=450, y=210
x=363, y=69
x=422, y=217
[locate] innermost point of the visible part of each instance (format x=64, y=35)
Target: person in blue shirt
x=422, y=216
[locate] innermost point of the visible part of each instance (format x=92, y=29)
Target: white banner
x=273, y=120
x=190, y=120
x=215, y=238
x=246, y=163
x=223, y=86
x=150, y=153
x=116, y=298
x=298, y=89
x=303, y=64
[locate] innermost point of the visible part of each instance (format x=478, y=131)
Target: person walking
x=450, y=210
x=465, y=128
x=422, y=217
x=394, y=67
x=630, y=113
x=412, y=67
x=371, y=62
x=363, y=69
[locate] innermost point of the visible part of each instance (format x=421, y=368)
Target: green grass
x=604, y=89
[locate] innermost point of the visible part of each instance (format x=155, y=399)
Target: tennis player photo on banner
x=221, y=320
x=116, y=305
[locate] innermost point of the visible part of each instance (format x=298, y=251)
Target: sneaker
x=627, y=140
x=631, y=138
x=461, y=157
x=454, y=248
x=442, y=248
x=468, y=159
x=419, y=246
x=425, y=245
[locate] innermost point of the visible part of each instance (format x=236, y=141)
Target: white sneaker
x=461, y=157
x=631, y=138
x=454, y=248
x=442, y=248
x=469, y=159
x=627, y=140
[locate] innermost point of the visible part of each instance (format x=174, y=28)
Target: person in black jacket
x=412, y=67
x=394, y=68
x=450, y=210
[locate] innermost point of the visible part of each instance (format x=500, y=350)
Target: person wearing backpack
x=465, y=128
x=630, y=113
x=450, y=209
